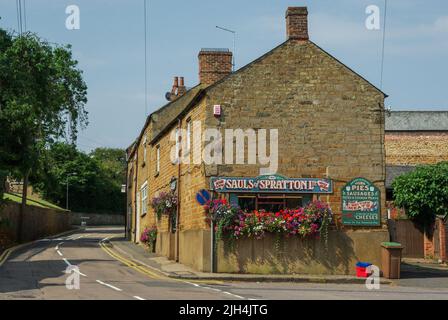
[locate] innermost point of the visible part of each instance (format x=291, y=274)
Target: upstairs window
x=144, y=149
x=158, y=159
x=144, y=198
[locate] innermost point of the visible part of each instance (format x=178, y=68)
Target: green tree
x=113, y=161
x=91, y=182
x=42, y=92
x=423, y=193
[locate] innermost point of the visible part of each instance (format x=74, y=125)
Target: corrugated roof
x=417, y=121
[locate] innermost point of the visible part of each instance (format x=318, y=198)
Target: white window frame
x=144, y=149
x=144, y=197
x=177, y=135
x=158, y=159
x=188, y=138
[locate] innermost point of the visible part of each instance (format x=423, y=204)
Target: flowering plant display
x=164, y=204
x=149, y=236
x=222, y=213
x=310, y=221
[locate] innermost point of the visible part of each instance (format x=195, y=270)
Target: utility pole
x=234, y=44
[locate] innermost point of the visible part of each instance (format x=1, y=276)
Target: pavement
x=49, y=269
x=141, y=255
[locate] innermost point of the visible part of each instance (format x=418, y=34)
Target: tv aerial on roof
x=234, y=43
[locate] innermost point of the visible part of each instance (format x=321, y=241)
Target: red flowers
x=305, y=222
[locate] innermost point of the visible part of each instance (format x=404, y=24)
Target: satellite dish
x=168, y=96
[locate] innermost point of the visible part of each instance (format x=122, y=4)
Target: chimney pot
x=175, y=86
x=297, y=23
x=181, y=89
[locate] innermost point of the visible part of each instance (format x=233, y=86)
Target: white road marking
x=108, y=285
x=79, y=272
x=59, y=244
x=138, y=298
x=59, y=253
x=193, y=284
x=67, y=262
x=231, y=294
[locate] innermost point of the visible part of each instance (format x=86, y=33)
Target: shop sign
x=271, y=184
x=361, y=203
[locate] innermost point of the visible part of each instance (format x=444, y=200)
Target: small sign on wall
x=361, y=203
x=217, y=110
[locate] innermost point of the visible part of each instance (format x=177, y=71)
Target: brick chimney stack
x=181, y=89
x=177, y=90
x=297, y=23
x=214, y=64
x=175, y=86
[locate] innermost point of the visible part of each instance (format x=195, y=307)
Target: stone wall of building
x=414, y=148
x=303, y=256
x=330, y=120
x=330, y=123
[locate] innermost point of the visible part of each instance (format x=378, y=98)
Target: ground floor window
x=269, y=202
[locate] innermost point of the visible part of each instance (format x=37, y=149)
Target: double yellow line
x=146, y=271
x=131, y=264
x=4, y=256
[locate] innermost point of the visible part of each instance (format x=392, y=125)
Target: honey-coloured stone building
x=330, y=123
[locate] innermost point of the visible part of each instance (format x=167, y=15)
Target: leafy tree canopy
x=92, y=186
x=423, y=192
x=42, y=92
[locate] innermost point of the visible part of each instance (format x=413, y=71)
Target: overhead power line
x=145, y=20
x=384, y=42
x=21, y=16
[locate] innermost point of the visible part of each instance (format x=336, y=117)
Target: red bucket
x=361, y=269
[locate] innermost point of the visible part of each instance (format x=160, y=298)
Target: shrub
x=423, y=193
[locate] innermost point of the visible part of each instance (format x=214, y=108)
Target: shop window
x=271, y=202
x=247, y=203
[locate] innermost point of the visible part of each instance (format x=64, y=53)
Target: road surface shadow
x=16, y=276
x=411, y=271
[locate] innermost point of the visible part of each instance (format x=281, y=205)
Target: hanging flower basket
x=164, y=204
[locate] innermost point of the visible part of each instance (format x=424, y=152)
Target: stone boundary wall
x=37, y=223
x=97, y=219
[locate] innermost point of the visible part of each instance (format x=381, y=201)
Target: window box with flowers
x=311, y=221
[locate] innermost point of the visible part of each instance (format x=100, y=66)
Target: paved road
x=38, y=272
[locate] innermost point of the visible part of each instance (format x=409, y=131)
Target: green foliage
x=423, y=193
x=113, y=161
x=91, y=186
x=42, y=92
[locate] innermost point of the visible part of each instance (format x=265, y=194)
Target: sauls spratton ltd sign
x=271, y=184
x=361, y=203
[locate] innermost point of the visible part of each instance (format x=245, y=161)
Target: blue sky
x=110, y=48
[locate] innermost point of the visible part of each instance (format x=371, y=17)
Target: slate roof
x=417, y=121
x=394, y=171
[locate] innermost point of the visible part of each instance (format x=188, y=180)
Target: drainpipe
x=126, y=222
x=179, y=126
x=135, y=196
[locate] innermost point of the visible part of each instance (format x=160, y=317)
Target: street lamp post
x=66, y=197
